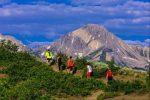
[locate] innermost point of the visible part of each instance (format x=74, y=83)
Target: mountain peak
x=90, y=31
x=94, y=27
x=22, y=47
x=95, y=42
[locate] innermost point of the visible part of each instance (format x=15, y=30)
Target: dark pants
x=110, y=78
x=70, y=67
x=59, y=66
x=49, y=59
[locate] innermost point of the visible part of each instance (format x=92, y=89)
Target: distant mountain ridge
x=95, y=42
x=21, y=46
x=143, y=51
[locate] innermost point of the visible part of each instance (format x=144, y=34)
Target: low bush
x=113, y=68
x=127, y=87
x=148, y=80
x=80, y=63
x=98, y=73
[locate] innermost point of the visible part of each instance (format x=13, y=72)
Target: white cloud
x=147, y=41
x=141, y=20
x=98, y=2
x=41, y=19
x=118, y=22
x=137, y=42
x=38, y=44
x=2, y=2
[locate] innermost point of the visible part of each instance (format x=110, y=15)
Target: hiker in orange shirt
x=109, y=75
x=70, y=64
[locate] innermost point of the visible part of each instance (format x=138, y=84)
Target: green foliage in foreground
x=30, y=79
x=38, y=81
x=148, y=79
x=126, y=87
x=80, y=63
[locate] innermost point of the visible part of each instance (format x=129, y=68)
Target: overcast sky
x=48, y=20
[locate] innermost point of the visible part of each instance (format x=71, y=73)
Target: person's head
x=88, y=63
x=108, y=69
x=70, y=57
x=47, y=49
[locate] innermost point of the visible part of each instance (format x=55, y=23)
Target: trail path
x=94, y=95
x=3, y=75
x=131, y=97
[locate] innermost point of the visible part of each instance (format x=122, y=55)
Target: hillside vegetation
x=27, y=78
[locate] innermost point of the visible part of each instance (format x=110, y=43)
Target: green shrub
x=113, y=68
x=4, y=86
x=98, y=73
x=80, y=63
x=127, y=87
x=99, y=65
x=148, y=80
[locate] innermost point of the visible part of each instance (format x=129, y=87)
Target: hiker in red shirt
x=109, y=75
x=89, y=71
x=70, y=63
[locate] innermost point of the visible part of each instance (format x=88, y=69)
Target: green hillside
x=23, y=77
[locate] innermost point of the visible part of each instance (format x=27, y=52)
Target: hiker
x=109, y=75
x=70, y=64
x=89, y=71
x=48, y=55
x=59, y=61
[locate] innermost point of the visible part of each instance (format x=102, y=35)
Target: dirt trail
x=2, y=68
x=77, y=74
x=94, y=95
x=3, y=75
x=131, y=97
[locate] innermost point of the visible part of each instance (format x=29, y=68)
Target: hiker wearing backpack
x=59, y=61
x=109, y=75
x=48, y=55
x=89, y=71
x=70, y=64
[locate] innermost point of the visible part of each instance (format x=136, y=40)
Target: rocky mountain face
x=97, y=43
x=21, y=46
x=143, y=51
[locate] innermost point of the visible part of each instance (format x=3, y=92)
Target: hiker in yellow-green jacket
x=48, y=55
